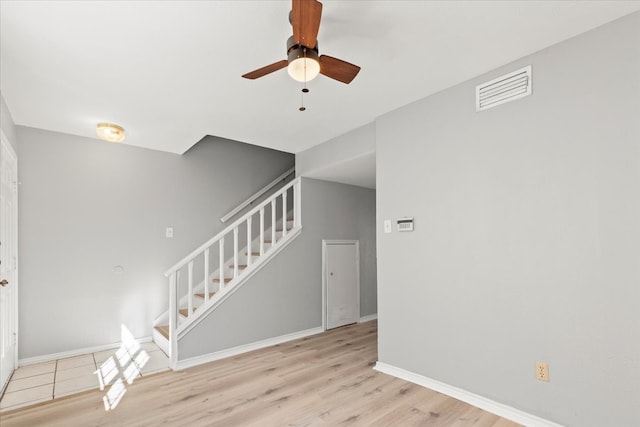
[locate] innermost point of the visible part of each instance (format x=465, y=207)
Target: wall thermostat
x=405, y=224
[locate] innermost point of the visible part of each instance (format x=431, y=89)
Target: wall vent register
x=504, y=89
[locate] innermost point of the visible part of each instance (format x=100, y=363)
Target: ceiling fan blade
x=338, y=69
x=260, y=72
x=305, y=20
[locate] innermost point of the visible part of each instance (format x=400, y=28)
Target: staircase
x=202, y=280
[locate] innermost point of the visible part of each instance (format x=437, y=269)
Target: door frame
x=4, y=141
x=325, y=243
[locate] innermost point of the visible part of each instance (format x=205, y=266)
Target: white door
x=8, y=260
x=342, y=283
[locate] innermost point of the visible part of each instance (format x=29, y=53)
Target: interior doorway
x=341, y=282
x=8, y=261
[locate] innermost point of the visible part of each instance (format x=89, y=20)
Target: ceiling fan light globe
x=303, y=69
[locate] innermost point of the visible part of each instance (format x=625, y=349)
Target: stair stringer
x=226, y=291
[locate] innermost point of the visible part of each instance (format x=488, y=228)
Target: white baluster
x=206, y=275
x=261, y=231
x=190, y=287
x=284, y=213
x=273, y=221
x=221, y=245
x=249, y=225
x=235, y=252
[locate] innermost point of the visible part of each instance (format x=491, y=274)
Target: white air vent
x=506, y=88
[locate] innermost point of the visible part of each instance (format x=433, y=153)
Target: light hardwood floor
x=323, y=380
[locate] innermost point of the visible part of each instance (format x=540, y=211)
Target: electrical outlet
x=542, y=371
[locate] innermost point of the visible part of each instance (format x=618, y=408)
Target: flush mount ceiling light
x=110, y=132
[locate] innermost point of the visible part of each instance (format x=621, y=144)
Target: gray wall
x=357, y=143
x=87, y=206
x=527, y=238
x=7, y=124
x=348, y=159
x=286, y=295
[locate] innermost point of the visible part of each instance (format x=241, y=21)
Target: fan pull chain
x=304, y=88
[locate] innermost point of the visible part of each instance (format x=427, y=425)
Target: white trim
x=478, y=401
x=368, y=318
x=325, y=243
x=255, y=196
x=234, y=351
x=159, y=340
x=4, y=140
x=77, y=352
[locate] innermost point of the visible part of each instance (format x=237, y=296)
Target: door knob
x=4, y=282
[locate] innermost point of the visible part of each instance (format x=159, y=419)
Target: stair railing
x=258, y=194
x=275, y=208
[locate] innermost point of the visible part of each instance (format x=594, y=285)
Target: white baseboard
x=71, y=353
x=368, y=318
x=488, y=405
x=222, y=354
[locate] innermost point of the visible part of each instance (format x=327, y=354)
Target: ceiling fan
x=303, y=61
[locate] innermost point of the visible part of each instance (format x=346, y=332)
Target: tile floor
x=49, y=380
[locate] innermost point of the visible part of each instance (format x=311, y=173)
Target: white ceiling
x=169, y=71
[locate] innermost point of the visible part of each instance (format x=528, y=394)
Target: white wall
x=527, y=235
x=88, y=206
x=286, y=295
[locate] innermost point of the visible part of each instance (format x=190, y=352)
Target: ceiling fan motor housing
x=295, y=51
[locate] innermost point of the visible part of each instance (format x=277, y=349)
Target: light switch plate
x=387, y=226
x=168, y=232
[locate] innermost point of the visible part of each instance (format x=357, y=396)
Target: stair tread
x=185, y=311
x=240, y=266
x=201, y=294
x=164, y=330
x=226, y=280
